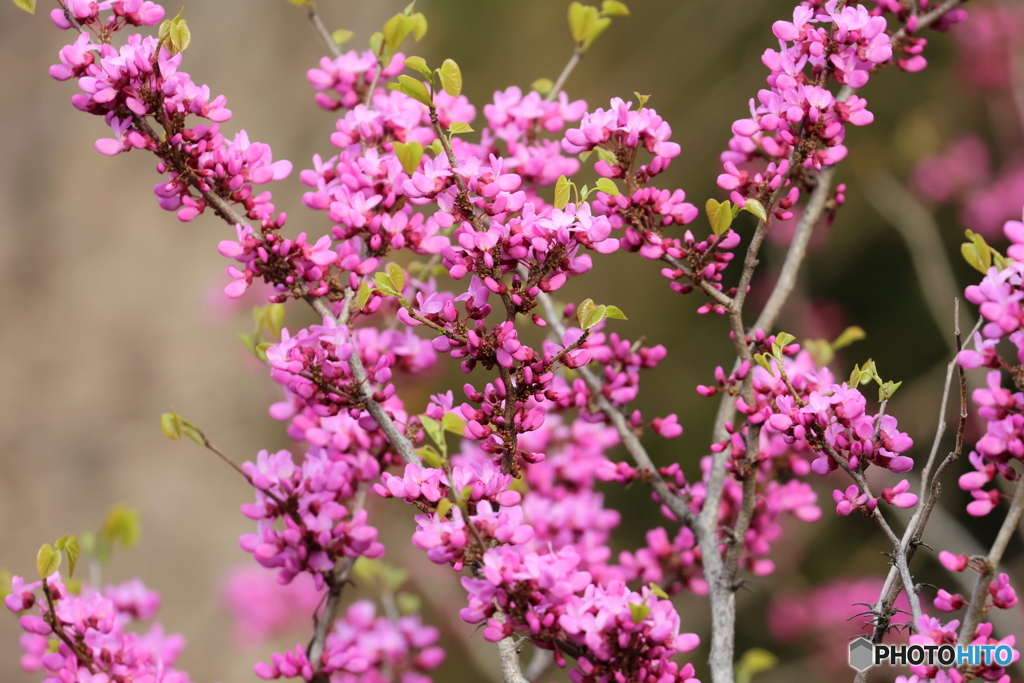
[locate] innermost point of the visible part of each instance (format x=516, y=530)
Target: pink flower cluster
x=931, y=631
x=91, y=642
x=141, y=80
x=362, y=647
x=309, y=502
x=998, y=297
x=262, y=608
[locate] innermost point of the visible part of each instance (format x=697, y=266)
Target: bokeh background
x=110, y=310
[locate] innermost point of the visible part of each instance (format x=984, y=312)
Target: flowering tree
x=502, y=476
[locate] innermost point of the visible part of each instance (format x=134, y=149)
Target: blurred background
x=110, y=309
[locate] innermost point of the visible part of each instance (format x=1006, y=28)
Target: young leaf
x=608, y=186
x=451, y=77
x=47, y=561
x=409, y=155
x=711, y=208
x=579, y=20
x=413, y=88
x=418, y=64
x=419, y=26
x=584, y=310
x=341, y=36
x=641, y=100
x=542, y=85
x=69, y=544
x=562, y=188
x=658, y=590
x=606, y=156
x=364, y=294
x=754, y=661
x=122, y=525
x=755, y=207
x=170, y=426
x=596, y=29
x=614, y=312
x=299, y=3
x=820, y=350
x=454, y=424
x=725, y=216
x=443, y=506
x=784, y=339
x=595, y=316
x=384, y=284
x=433, y=428
x=638, y=612
x=458, y=127
x=395, y=30
x=409, y=603
x=261, y=350
x=849, y=335
x=27, y=5
x=614, y=8
x=275, y=318
x=430, y=456
x=763, y=361
x=397, y=276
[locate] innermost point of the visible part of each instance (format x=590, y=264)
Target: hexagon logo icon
x=862, y=654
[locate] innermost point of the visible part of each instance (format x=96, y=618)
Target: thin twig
x=564, y=76
x=321, y=30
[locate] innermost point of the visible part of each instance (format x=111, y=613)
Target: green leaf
x=784, y=339
x=820, y=350
x=418, y=64
x=755, y=207
x=384, y=284
x=754, y=661
x=27, y=5
x=299, y=3
x=454, y=424
x=596, y=316
x=433, y=428
x=451, y=77
x=542, y=85
x=976, y=252
x=437, y=147
x=580, y=18
x=248, y=341
x=443, y=506
x=849, y=335
x=365, y=570
x=458, y=127
x=179, y=36
x=69, y=544
x=341, y=36
x=615, y=313
x=377, y=43
x=614, y=8
x=719, y=215
x=409, y=154
x=638, y=612
x=419, y=26
x=275, y=318
x=562, y=188
x=596, y=30
x=413, y=88
x=608, y=186
x=397, y=276
x=466, y=492
x=763, y=361
x=122, y=525
x=395, y=30
x=606, y=156
x=170, y=426
x=364, y=294
x=408, y=603
x=261, y=350
x=657, y=590
x=886, y=390
x=584, y=310
x=641, y=100
x=393, y=577
x=47, y=561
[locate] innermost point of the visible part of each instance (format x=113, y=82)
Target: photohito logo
x=864, y=653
